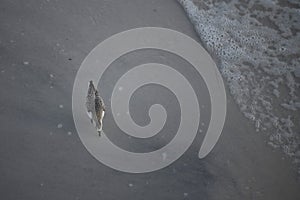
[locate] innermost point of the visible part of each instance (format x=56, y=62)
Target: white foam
x=256, y=46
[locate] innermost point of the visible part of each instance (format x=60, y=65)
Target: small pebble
x=26, y=63
x=59, y=126
x=164, y=155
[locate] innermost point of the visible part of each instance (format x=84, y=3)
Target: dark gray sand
x=42, y=44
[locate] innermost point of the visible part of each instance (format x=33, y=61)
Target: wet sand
x=42, y=44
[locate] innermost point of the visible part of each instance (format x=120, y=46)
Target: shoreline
x=42, y=46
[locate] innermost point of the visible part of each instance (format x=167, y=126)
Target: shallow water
x=256, y=44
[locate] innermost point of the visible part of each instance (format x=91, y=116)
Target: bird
x=90, y=101
x=100, y=111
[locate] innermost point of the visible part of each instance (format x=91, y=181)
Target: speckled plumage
x=100, y=111
x=90, y=101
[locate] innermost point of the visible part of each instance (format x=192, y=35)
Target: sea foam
x=256, y=45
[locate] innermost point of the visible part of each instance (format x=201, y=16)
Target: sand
x=42, y=45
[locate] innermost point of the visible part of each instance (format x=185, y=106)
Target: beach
x=42, y=46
